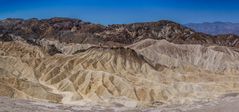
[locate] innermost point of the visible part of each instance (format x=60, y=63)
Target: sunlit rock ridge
x=70, y=61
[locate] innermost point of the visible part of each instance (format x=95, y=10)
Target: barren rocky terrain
x=141, y=66
x=225, y=104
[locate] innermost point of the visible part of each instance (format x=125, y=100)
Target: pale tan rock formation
x=217, y=59
x=20, y=49
x=117, y=75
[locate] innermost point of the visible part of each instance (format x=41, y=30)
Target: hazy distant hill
x=215, y=28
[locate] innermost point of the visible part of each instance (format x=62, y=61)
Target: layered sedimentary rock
x=17, y=77
x=217, y=59
x=144, y=64
x=77, y=31
x=102, y=74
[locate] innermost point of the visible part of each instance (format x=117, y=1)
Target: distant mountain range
x=77, y=31
x=69, y=61
x=215, y=28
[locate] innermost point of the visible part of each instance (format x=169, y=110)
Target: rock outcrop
x=142, y=64
x=218, y=59
x=76, y=31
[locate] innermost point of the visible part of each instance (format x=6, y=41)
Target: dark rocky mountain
x=139, y=65
x=77, y=31
x=215, y=28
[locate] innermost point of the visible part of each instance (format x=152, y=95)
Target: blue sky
x=124, y=11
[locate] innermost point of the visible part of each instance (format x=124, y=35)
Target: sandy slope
x=219, y=59
x=105, y=75
x=38, y=61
